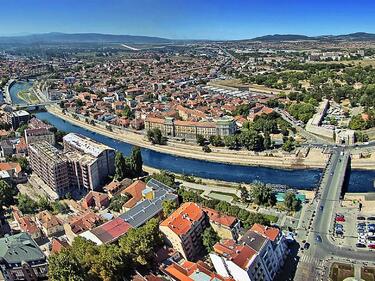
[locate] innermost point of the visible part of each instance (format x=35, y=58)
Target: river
x=360, y=181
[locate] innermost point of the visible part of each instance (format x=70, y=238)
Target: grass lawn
x=340, y=271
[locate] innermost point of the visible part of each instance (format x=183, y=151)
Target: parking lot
x=354, y=229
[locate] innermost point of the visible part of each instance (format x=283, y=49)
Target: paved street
x=322, y=219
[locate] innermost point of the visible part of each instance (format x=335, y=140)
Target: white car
x=362, y=241
x=362, y=236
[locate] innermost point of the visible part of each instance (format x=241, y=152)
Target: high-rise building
x=90, y=162
x=51, y=165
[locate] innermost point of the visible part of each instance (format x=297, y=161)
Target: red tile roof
x=112, y=230
x=181, y=220
x=135, y=190
x=270, y=232
x=219, y=218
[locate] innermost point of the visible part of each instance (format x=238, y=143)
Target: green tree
x=262, y=194
x=291, y=202
x=244, y=193
x=136, y=161
x=6, y=194
x=26, y=205
x=209, y=238
x=288, y=145
x=169, y=206
x=231, y=142
x=267, y=143
x=206, y=149
x=201, y=140
x=139, y=244
x=165, y=177
x=64, y=266
x=251, y=140
x=120, y=166
x=155, y=136
x=118, y=201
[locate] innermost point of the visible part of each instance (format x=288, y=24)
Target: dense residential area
x=180, y=158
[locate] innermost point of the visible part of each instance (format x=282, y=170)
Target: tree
x=288, y=145
x=165, y=177
x=251, y=140
x=291, y=202
x=6, y=194
x=231, y=142
x=136, y=161
x=64, y=266
x=27, y=205
x=139, y=244
x=155, y=136
x=244, y=194
x=262, y=194
x=118, y=201
x=201, y=140
x=209, y=238
x=169, y=206
x=267, y=143
x=120, y=166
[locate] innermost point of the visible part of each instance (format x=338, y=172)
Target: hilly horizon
x=59, y=37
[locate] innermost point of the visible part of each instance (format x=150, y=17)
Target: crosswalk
x=311, y=260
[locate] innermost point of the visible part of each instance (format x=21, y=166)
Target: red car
x=340, y=219
x=371, y=246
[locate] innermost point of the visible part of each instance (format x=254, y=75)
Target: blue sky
x=188, y=19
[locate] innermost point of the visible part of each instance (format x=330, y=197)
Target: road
x=311, y=266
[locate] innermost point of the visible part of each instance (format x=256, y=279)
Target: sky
x=188, y=19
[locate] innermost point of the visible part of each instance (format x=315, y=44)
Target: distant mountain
x=358, y=36
x=56, y=37
x=282, y=37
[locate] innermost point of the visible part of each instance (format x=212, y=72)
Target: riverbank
x=314, y=158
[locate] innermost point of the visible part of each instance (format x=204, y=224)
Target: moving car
x=318, y=238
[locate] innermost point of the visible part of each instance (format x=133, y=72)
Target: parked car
x=321, y=207
x=340, y=219
x=371, y=225
x=371, y=238
x=360, y=218
x=306, y=246
x=371, y=218
x=360, y=245
x=371, y=246
x=339, y=225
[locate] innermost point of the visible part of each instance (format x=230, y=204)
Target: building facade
x=39, y=135
x=183, y=229
x=50, y=165
x=190, y=129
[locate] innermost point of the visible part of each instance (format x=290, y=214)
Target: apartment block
x=34, y=135
x=259, y=255
x=227, y=227
x=50, y=165
x=90, y=162
x=183, y=229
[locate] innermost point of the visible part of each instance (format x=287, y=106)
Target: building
x=259, y=255
x=18, y=118
x=94, y=199
x=115, y=187
x=191, y=129
x=190, y=271
x=135, y=191
x=80, y=223
x=227, y=227
x=21, y=259
x=34, y=135
x=49, y=223
x=108, y=232
x=183, y=229
x=150, y=206
x=91, y=163
x=51, y=166
x=345, y=136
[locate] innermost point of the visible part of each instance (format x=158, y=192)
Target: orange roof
x=135, y=190
x=181, y=220
x=270, y=232
x=10, y=166
x=220, y=218
x=241, y=255
x=57, y=245
x=182, y=272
